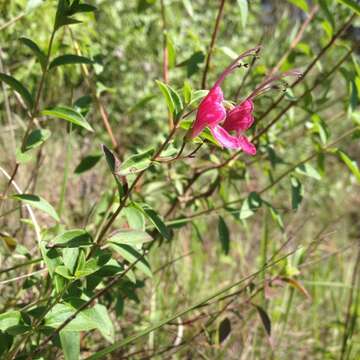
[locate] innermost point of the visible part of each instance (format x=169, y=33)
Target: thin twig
x=212, y=43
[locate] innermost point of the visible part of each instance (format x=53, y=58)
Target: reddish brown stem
x=212, y=43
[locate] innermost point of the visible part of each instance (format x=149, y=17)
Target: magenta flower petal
x=224, y=138
x=240, y=118
x=210, y=112
x=246, y=145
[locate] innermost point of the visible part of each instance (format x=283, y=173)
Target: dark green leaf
x=68, y=114
x=87, y=163
x=250, y=205
x=18, y=87
x=265, y=319
x=36, y=138
x=39, y=54
x=70, y=239
x=192, y=64
x=69, y=60
x=224, y=330
x=296, y=192
x=111, y=159
x=224, y=235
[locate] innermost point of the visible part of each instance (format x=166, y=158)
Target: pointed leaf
x=71, y=239
x=224, y=235
x=173, y=99
x=224, y=330
x=39, y=54
x=36, y=138
x=351, y=164
x=19, y=88
x=38, y=203
x=68, y=114
x=297, y=192
x=69, y=60
x=155, y=219
x=87, y=163
x=265, y=319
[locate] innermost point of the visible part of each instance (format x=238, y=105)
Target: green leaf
x=136, y=163
x=39, y=54
x=9, y=319
x=68, y=114
x=87, y=163
x=173, y=99
x=308, y=170
x=351, y=164
x=131, y=255
x=130, y=237
x=19, y=88
x=81, y=8
x=71, y=239
x=297, y=192
x=187, y=92
x=171, y=52
x=250, y=205
x=155, y=219
x=243, y=4
x=224, y=330
x=301, y=4
x=111, y=159
x=193, y=62
x=105, y=324
x=224, y=235
x=36, y=138
x=70, y=344
x=135, y=218
x=265, y=319
x=87, y=269
x=38, y=203
x=69, y=60
x=352, y=4
x=60, y=312
x=64, y=272
x=6, y=342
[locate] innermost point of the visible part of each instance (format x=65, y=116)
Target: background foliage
x=109, y=250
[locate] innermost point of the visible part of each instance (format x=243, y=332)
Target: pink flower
x=212, y=113
x=239, y=119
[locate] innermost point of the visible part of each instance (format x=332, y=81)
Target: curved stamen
x=267, y=84
x=235, y=64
